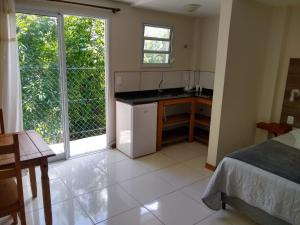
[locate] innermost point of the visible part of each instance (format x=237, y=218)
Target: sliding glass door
x=40, y=77
x=62, y=67
x=85, y=72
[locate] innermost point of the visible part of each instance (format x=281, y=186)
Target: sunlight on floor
x=82, y=146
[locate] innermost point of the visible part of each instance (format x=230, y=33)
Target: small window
x=157, y=45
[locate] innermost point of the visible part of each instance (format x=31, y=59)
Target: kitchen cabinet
x=186, y=126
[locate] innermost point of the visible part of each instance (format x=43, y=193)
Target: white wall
x=205, y=43
x=262, y=39
x=236, y=98
x=127, y=32
x=221, y=59
x=273, y=60
x=290, y=49
x=285, y=36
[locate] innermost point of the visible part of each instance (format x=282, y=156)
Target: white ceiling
x=208, y=7
x=280, y=2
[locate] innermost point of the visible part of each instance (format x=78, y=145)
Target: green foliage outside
x=41, y=89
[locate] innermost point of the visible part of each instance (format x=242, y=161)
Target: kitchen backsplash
x=126, y=81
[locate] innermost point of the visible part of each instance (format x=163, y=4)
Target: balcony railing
x=42, y=108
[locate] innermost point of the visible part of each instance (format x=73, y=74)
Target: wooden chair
x=2, y=131
x=32, y=174
x=11, y=188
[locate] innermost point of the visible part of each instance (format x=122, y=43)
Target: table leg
x=33, y=181
x=46, y=192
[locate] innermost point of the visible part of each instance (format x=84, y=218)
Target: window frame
x=169, y=52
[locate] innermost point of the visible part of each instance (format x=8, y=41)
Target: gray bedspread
x=274, y=157
x=265, y=176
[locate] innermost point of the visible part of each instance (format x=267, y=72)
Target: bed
x=269, y=198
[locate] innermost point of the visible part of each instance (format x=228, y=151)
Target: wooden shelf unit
x=186, y=122
x=202, y=120
x=175, y=135
x=201, y=135
x=178, y=119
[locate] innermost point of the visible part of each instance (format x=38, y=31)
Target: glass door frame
x=63, y=74
x=62, y=78
x=63, y=84
x=106, y=74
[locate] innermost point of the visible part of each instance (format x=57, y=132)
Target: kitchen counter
x=142, y=97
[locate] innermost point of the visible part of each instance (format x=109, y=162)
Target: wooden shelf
x=184, y=123
x=203, y=101
x=175, y=135
x=201, y=135
x=177, y=119
x=202, y=120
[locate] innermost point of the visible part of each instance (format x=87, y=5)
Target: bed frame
x=257, y=215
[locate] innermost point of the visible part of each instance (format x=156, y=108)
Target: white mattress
x=292, y=138
x=276, y=195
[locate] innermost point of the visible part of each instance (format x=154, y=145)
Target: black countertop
x=142, y=97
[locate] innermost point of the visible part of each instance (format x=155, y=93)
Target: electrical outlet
x=290, y=120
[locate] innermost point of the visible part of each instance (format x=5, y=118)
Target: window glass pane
x=156, y=58
x=156, y=45
x=157, y=32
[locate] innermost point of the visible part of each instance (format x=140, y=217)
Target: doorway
x=62, y=64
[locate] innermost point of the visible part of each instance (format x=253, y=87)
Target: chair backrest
x=2, y=131
x=15, y=170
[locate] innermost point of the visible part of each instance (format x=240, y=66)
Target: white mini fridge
x=136, y=128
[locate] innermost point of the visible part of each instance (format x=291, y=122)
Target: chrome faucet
x=159, y=86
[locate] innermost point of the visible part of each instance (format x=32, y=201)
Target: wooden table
x=33, y=152
x=275, y=128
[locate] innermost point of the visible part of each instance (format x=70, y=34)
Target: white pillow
x=292, y=138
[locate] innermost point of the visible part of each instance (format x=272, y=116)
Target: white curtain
x=10, y=83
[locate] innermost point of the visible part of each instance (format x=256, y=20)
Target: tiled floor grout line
x=101, y=166
x=94, y=190
x=77, y=195
x=140, y=203
x=72, y=198
x=181, y=190
x=85, y=212
x=164, y=195
x=82, y=208
x=175, y=162
x=152, y=171
x=88, y=155
x=119, y=184
x=203, y=219
x=147, y=173
x=180, y=161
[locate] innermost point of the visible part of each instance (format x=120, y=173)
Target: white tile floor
x=107, y=188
